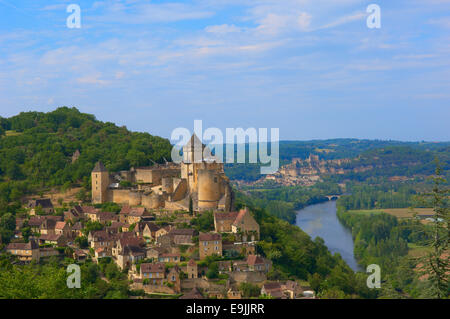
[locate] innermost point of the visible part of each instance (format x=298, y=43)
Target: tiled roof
x=226, y=216
x=99, y=167
x=51, y=237
x=156, y=267
x=77, y=226
x=209, y=237
x=192, y=263
x=254, y=260
x=43, y=202
x=240, y=216
x=182, y=231
x=152, y=226
x=23, y=246
x=60, y=225
x=193, y=294
x=89, y=209
x=133, y=211
x=106, y=216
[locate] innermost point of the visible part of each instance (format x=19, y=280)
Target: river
x=321, y=220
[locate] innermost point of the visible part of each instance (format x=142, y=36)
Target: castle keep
x=170, y=186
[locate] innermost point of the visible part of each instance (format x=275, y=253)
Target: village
x=157, y=241
x=158, y=259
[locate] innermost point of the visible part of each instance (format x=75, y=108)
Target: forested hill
x=36, y=149
x=368, y=158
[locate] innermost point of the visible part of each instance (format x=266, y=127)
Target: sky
x=311, y=68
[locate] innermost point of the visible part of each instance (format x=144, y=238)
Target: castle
x=198, y=180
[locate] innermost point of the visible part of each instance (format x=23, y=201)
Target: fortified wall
x=170, y=186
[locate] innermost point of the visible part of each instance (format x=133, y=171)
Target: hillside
x=36, y=150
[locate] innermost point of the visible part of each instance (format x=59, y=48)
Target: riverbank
x=320, y=220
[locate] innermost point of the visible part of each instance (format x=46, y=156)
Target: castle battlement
x=170, y=186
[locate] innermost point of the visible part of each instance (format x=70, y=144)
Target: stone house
x=253, y=263
x=169, y=258
x=130, y=255
x=101, y=239
x=224, y=221
x=43, y=203
x=162, y=231
x=193, y=294
x=77, y=230
x=209, y=244
x=147, y=229
x=234, y=293
x=192, y=269
x=155, y=273
x=53, y=239
x=106, y=217
x=292, y=289
x=173, y=277
x=62, y=228
x=74, y=214
x=132, y=215
x=101, y=252
x=246, y=226
x=182, y=236
x=241, y=223
x=273, y=290
x=25, y=251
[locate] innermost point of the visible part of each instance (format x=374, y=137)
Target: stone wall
x=248, y=276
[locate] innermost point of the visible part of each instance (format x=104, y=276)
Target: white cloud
x=222, y=29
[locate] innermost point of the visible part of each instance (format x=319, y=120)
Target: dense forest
x=384, y=240
x=386, y=195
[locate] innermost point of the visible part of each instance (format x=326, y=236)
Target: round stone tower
x=208, y=189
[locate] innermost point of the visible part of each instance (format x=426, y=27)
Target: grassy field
x=397, y=212
x=417, y=251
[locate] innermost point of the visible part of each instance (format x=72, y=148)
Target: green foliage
x=204, y=222
x=41, y=155
x=296, y=256
x=213, y=271
x=82, y=242
x=91, y=226
x=249, y=290
x=48, y=281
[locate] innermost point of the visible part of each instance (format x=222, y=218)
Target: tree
x=213, y=271
x=191, y=206
x=249, y=290
x=82, y=241
x=436, y=263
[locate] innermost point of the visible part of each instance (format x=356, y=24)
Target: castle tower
x=209, y=189
x=100, y=182
x=194, y=160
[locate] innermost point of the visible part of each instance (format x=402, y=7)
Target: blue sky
x=309, y=67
